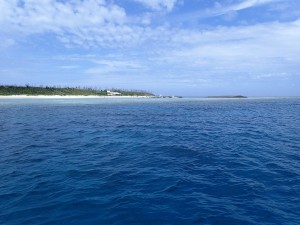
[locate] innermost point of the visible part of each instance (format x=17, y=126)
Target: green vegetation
x=63, y=91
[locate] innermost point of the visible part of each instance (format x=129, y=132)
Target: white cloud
x=42, y=16
x=248, y=4
x=95, y=23
x=244, y=52
x=224, y=9
x=241, y=51
x=159, y=4
x=88, y=23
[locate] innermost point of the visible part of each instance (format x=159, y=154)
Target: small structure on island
x=113, y=93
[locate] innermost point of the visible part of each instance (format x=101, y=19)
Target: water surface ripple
x=99, y=161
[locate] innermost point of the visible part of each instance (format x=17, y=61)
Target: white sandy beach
x=66, y=96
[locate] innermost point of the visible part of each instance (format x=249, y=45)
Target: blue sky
x=174, y=47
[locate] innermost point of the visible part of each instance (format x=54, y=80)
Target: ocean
x=150, y=161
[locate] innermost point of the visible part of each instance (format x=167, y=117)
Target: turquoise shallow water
x=150, y=161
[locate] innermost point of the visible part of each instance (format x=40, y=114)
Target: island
x=28, y=90
x=228, y=96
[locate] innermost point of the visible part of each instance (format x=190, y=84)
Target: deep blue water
x=185, y=161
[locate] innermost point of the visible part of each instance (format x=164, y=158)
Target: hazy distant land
x=228, y=96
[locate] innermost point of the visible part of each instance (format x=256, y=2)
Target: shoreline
x=66, y=96
x=132, y=97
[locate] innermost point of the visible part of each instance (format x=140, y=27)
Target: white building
x=113, y=93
